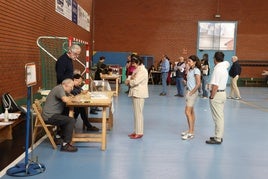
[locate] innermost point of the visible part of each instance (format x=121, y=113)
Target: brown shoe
x=132, y=134
x=68, y=148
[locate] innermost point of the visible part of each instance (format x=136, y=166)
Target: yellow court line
x=254, y=105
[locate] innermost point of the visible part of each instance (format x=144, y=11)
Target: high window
x=216, y=35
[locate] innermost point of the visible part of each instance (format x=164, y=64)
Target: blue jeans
x=180, y=85
x=164, y=82
x=204, y=85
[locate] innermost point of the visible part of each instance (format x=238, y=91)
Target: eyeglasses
x=76, y=54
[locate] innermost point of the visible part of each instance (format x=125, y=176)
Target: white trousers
x=234, y=88
x=138, y=104
x=217, y=110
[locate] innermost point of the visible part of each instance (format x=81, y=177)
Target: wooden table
x=100, y=85
x=85, y=100
x=113, y=77
x=156, y=76
x=6, y=129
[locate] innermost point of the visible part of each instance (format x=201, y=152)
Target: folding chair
x=39, y=123
x=93, y=87
x=151, y=79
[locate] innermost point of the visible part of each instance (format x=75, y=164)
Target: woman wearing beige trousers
x=138, y=83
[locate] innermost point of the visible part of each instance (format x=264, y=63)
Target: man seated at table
x=78, y=79
x=53, y=109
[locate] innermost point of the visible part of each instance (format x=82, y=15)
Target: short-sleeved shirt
x=54, y=103
x=191, y=82
x=219, y=76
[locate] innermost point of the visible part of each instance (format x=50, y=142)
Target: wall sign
x=30, y=74
x=74, y=12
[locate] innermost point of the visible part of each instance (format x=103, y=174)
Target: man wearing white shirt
x=218, y=96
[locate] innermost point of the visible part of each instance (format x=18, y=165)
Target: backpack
x=9, y=103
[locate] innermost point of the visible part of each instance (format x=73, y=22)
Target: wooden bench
x=254, y=63
x=253, y=68
x=254, y=81
x=6, y=130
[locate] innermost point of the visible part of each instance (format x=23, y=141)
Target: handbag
x=9, y=103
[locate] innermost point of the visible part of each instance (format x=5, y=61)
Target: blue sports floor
x=161, y=154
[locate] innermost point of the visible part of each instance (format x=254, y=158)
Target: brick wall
x=159, y=27
x=21, y=23
x=152, y=27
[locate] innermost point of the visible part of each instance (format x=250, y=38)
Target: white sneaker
x=187, y=136
x=184, y=133
x=237, y=98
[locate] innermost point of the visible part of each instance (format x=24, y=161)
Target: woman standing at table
x=138, y=83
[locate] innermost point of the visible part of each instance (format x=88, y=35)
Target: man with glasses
x=64, y=65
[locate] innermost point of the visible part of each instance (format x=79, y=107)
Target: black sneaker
x=93, y=128
x=93, y=112
x=213, y=141
x=97, y=109
x=68, y=148
x=213, y=138
x=58, y=141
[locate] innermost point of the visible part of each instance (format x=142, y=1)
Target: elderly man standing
x=234, y=73
x=218, y=96
x=165, y=66
x=180, y=72
x=64, y=65
x=53, y=109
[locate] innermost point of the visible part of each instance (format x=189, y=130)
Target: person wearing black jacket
x=78, y=79
x=234, y=73
x=64, y=65
x=101, y=68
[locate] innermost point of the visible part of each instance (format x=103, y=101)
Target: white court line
x=254, y=105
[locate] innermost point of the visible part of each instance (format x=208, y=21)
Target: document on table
x=6, y=123
x=98, y=96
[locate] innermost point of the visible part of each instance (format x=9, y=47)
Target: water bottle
x=6, y=115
